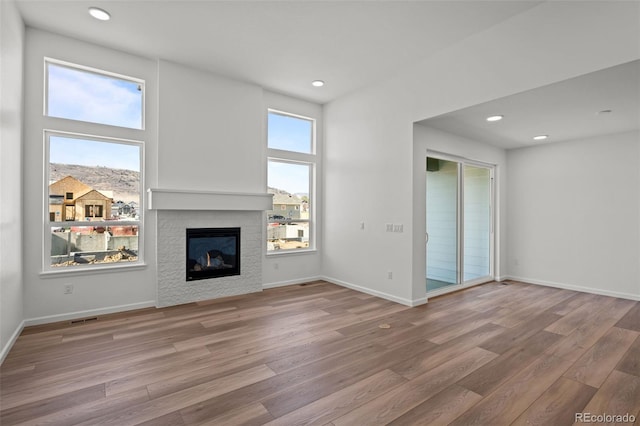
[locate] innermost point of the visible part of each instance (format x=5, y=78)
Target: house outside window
x=93, y=210
x=86, y=175
x=291, y=166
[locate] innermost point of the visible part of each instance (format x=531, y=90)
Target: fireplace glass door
x=212, y=253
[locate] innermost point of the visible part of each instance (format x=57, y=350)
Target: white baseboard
x=291, y=282
x=387, y=296
x=11, y=342
x=418, y=302
x=576, y=288
x=88, y=313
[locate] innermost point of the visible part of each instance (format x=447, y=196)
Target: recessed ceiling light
x=495, y=118
x=317, y=83
x=99, y=14
x=540, y=137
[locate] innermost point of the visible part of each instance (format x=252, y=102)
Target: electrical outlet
x=68, y=288
x=389, y=275
x=398, y=228
x=276, y=266
x=389, y=227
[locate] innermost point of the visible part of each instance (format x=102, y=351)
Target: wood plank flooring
x=315, y=354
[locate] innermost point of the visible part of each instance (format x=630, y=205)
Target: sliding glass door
x=442, y=223
x=477, y=222
x=459, y=222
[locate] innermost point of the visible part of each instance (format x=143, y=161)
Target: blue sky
x=289, y=133
x=94, y=153
x=96, y=98
x=293, y=178
x=86, y=96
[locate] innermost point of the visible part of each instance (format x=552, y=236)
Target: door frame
x=462, y=161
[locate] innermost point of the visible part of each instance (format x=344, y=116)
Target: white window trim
x=45, y=98
x=302, y=117
x=295, y=157
x=47, y=224
x=97, y=131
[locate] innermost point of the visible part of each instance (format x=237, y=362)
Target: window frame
x=48, y=225
x=70, y=65
x=112, y=133
x=312, y=147
x=295, y=157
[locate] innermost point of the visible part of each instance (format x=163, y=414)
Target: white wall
x=94, y=292
x=291, y=268
x=210, y=132
x=11, y=279
x=369, y=134
x=573, y=210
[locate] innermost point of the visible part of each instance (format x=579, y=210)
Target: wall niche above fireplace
x=212, y=253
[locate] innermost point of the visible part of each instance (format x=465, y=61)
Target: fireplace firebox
x=212, y=253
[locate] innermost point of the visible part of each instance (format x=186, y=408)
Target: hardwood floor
x=315, y=354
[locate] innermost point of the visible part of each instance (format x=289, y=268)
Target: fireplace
x=212, y=253
x=178, y=211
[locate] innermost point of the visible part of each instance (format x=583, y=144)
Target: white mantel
x=176, y=199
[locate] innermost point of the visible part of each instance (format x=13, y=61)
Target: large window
x=93, y=183
x=93, y=200
x=291, y=170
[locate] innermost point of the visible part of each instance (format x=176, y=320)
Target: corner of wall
x=12, y=35
x=6, y=347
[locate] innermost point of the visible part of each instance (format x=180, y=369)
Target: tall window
x=93, y=188
x=291, y=169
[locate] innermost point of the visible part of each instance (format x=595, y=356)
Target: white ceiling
x=567, y=110
x=284, y=45
x=279, y=45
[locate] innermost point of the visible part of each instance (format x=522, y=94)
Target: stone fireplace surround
x=178, y=210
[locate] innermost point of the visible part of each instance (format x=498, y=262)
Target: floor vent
x=84, y=320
